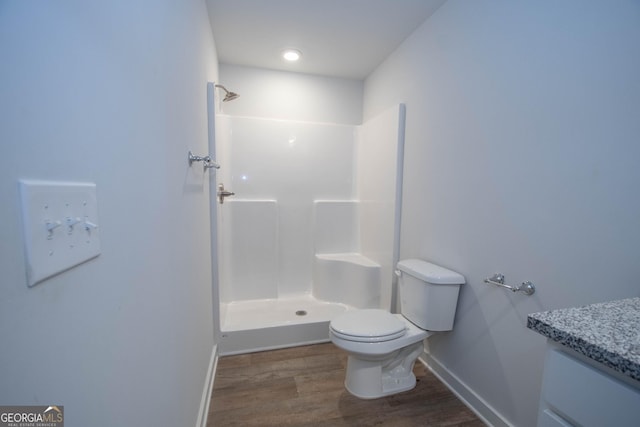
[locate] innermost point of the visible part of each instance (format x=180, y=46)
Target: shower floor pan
x=257, y=325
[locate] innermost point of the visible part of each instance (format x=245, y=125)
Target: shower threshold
x=257, y=325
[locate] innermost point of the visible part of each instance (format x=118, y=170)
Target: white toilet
x=383, y=347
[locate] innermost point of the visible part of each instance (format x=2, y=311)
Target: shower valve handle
x=222, y=193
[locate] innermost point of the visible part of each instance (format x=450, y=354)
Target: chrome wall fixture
x=229, y=96
x=497, y=279
x=207, y=162
x=222, y=193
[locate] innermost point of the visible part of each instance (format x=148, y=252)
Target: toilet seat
x=368, y=326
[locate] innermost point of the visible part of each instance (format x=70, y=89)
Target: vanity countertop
x=607, y=332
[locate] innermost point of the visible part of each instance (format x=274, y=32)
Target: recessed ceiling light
x=291, y=55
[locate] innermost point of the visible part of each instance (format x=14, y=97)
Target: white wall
x=521, y=157
x=113, y=93
x=292, y=96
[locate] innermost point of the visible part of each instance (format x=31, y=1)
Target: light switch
x=60, y=225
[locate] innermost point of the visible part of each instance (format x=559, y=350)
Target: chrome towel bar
x=498, y=279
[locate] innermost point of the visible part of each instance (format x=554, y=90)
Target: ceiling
x=337, y=38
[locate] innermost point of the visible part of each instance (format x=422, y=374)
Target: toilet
x=382, y=347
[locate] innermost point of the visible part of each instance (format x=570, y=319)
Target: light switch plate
x=60, y=225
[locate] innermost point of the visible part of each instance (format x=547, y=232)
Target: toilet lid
x=370, y=325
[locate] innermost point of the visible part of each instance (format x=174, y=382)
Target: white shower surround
x=289, y=177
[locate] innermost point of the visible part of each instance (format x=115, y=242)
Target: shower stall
x=311, y=229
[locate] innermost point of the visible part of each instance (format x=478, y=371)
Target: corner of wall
x=470, y=398
x=203, y=412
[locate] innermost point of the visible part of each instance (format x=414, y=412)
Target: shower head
x=230, y=96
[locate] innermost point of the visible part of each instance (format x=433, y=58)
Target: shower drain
x=301, y=313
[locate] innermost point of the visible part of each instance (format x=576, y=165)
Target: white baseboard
x=208, y=387
x=471, y=399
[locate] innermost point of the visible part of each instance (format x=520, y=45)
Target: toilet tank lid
x=430, y=272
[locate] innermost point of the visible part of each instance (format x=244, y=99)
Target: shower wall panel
x=250, y=240
x=336, y=226
x=291, y=163
x=379, y=156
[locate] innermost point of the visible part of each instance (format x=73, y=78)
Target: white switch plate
x=58, y=204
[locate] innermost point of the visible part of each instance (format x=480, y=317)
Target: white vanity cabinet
x=592, y=366
x=575, y=393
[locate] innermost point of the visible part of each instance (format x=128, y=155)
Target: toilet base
x=372, y=378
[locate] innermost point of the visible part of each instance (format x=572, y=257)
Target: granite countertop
x=607, y=332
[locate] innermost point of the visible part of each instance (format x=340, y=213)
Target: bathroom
x=521, y=121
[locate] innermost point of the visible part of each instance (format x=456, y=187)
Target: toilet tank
x=428, y=294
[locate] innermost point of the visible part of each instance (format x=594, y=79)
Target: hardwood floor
x=304, y=386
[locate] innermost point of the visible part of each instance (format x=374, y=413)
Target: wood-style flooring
x=304, y=386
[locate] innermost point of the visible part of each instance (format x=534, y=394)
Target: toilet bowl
x=382, y=351
x=382, y=347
